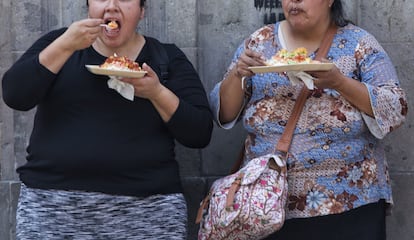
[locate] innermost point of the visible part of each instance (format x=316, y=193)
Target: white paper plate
x=293, y=67
x=96, y=69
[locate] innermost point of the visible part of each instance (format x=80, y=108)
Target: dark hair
x=142, y=3
x=337, y=14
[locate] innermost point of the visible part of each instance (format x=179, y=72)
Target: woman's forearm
x=357, y=94
x=54, y=56
x=231, y=97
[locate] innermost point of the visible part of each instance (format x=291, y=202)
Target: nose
x=112, y=5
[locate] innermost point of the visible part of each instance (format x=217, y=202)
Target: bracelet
x=237, y=74
x=242, y=82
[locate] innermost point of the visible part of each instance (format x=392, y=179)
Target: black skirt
x=363, y=223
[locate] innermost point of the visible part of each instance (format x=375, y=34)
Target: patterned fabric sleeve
x=215, y=107
x=388, y=100
x=215, y=94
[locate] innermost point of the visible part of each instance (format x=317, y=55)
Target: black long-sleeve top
x=86, y=136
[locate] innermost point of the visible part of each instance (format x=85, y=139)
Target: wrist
x=237, y=74
x=158, y=93
x=341, y=84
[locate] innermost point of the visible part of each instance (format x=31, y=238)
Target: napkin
x=296, y=76
x=125, y=89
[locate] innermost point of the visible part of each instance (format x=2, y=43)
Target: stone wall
x=208, y=32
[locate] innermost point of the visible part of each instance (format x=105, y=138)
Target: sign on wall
x=273, y=10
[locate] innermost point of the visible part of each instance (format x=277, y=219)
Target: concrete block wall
x=208, y=32
x=390, y=22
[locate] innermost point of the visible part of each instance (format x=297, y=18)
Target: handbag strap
x=286, y=138
x=284, y=142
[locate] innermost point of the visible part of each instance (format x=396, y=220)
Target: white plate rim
x=96, y=69
x=293, y=67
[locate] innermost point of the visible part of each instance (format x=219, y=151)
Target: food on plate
x=115, y=62
x=297, y=60
x=283, y=57
x=113, y=25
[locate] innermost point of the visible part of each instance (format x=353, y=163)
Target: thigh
x=363, y=223
x=162, y=217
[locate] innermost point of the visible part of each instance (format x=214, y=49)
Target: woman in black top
x=101, y=166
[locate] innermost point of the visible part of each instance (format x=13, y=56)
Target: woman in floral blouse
x=337, y=172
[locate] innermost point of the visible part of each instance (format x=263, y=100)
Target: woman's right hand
x=231, y=90
x=248, y=59
x=82, y=34
x=79, y=35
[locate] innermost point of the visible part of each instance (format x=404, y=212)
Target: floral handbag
x=248, y=204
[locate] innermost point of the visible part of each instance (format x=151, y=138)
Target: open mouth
x=112, y=25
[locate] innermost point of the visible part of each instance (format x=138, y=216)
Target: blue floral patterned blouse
x=336, y=162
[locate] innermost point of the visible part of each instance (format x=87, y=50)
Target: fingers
x=83, y=33
x=90, y=26
x=242, y=69
x=248, y=59
x=150, y=77
x=87, y=25
x=93, y=22
x=326, y=79
x=324, y=60
x=254, y=58
x=147, y=86
x=150, y=72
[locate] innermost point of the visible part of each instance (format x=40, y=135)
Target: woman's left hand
x=331, y=79
x=353, y=91
x=148, y=86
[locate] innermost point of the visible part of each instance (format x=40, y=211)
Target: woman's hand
x=352, y=90
x=81, y=34
x=78, y=36
x=231, y=90
x=248, y=59
x=148, y=86
x=332, y=79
